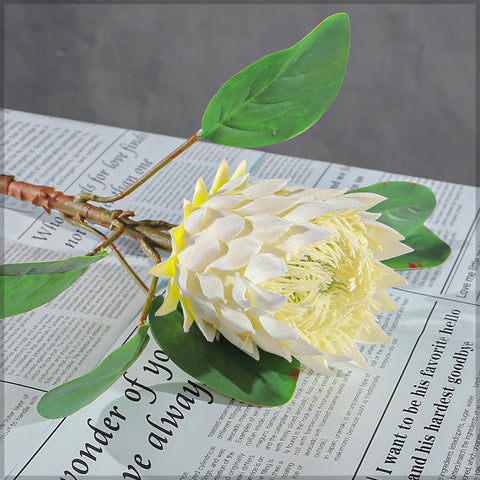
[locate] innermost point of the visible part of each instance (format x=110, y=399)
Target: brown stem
x=50, y=199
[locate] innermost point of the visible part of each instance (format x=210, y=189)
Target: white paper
x=414, y=413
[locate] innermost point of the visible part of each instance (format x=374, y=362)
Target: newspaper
x=412, y=415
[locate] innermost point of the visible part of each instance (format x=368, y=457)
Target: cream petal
x=314, y=193
x=302, y=235
x=198, y=252
x=194, y=221
x=234, y=183
x=381, y=233
x=246, y=345
x=188, y=319
x=225, y=227
x=269, y=344
x=239, y=293
x=212, y=287
x=357, y=358
x=221, y=177
x=234, y=320
x=367, y=198
x=203, y=309
x=264, y=267
x=265, y=299
x=301, y=346
x=346, y=203
x=262, y=188
x=310, y=210
x=182, y=277
x=224, y=202
x=389, y=277
x=371, y=333
x=390, y=250
x=208, y=330
x=171, y=298
x=240, y=252
x=385, y=302
x=268, y=228
x=274, y=205
x=200, y=194
x=276, y=328
x=317, y=364
x=240, y=171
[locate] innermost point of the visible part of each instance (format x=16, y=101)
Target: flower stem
x=148, y=301
x=85, y=196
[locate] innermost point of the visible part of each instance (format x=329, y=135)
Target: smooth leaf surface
x=271, y=381
x=429, y=251
x=282, y=94
x=25, y=286
x=79, y=392
x=408, y=204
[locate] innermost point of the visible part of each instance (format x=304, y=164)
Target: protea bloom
x=292, y=270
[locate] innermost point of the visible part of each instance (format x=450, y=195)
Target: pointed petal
x=265, y=299
x=317, y=364
x=274, y=205
x=234, y=183
x=389, y=277
x=302, y=235
x=188, y=319
x=268, y=228
x=221, y=177
x=240, y=171
x=301, y=346
x=188, y=208
x=246, y=346
x=384, y=301
x=194, y=221
x=198, y=252
x=310, y=210
x=264, y=267
x=239, y=293
x=371, y=333
x=226, y=227
x=200, y=194
x=276, y=328
x=172, y=296
x=271, y=345
x=240, y=252
x=367, y=198
x=208, y=330
x=212, y=287
x=224, y=202
x=390, y=250
x=234, y=320
x=164, y=269
x=381, y=233
x=315, y=193
x=262, y=188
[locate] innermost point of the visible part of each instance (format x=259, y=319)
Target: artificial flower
x=291, y=270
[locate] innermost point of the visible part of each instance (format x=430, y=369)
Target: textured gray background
x=407, y=103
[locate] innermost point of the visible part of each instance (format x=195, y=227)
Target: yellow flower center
x=329, y=284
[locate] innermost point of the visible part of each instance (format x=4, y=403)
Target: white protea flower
x=295, y=271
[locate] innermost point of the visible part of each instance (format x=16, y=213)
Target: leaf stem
x=148, y=301
x=114, y=249
x=85, y=196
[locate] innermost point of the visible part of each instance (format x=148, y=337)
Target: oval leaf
x=429, y=251
x=408, y=204
x=270, y=381
x=282, y=94
x=25, y=286
x=79, y=392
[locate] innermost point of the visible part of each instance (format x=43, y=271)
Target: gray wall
x=406, y=105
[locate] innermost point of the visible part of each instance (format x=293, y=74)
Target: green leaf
x=271, y=381
x=282, y=94
x=408, y=204
x=79, y=392
x=429, y=251
x=26, y=286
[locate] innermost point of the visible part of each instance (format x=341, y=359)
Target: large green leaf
x=408, y=204
x=429, y=251
x=79, y=392
x=270, y=381
x=25, y=286
x=282, y=94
